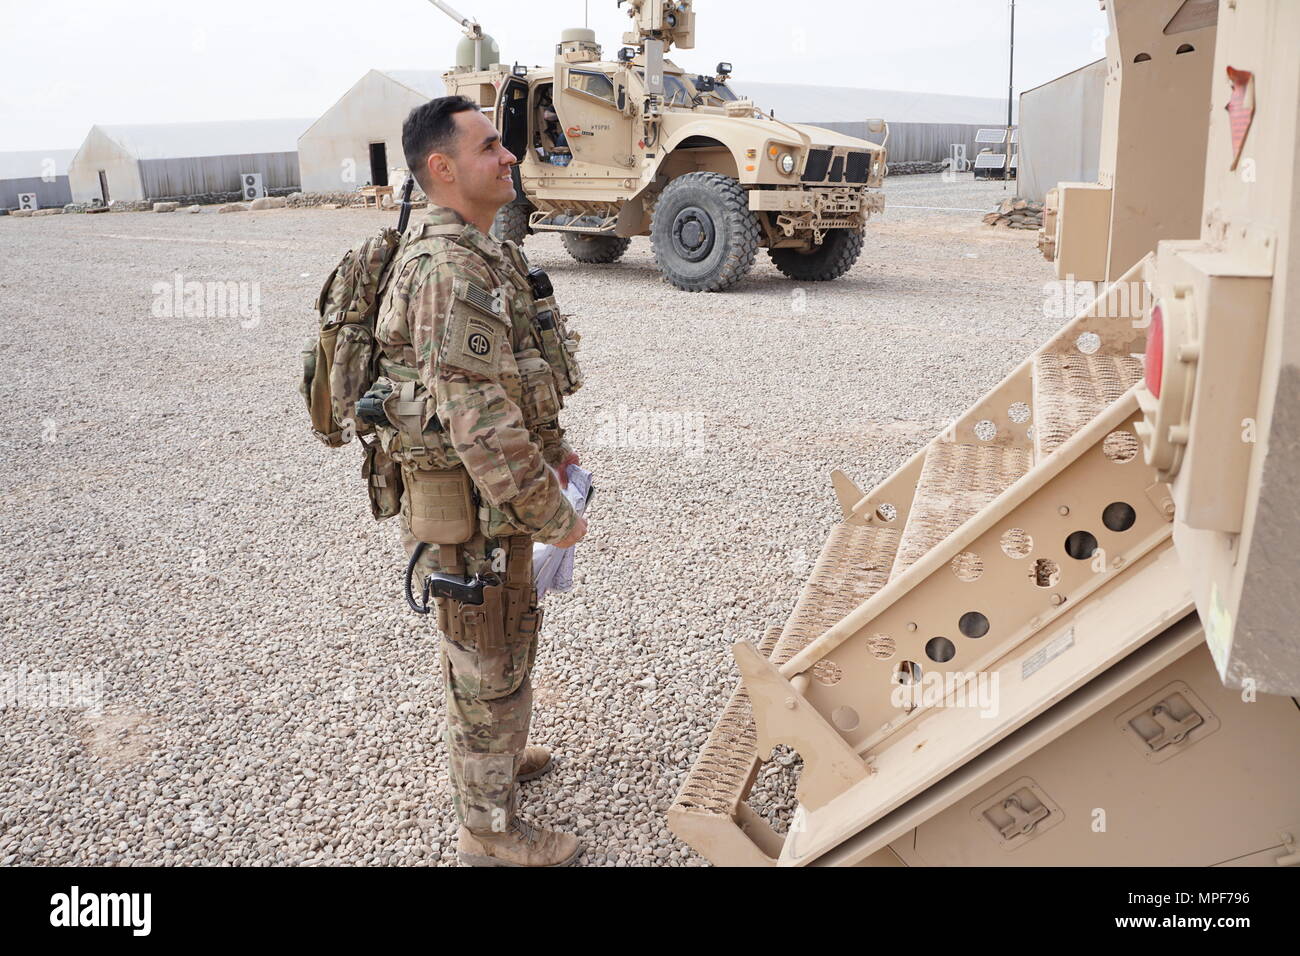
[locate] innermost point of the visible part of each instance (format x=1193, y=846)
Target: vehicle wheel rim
x=693, y=234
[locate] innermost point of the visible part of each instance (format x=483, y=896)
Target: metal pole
x=469, y=24
x=1011, y=70
x=1011, y=92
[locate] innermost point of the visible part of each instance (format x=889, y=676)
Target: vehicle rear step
x=957, y=481
x=956, y=519
x=854, y=564
x=1071, y=390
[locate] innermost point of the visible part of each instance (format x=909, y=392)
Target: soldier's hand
x=577, y=534
x=563, y=470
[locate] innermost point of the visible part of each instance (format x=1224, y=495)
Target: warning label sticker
x=1048, y=652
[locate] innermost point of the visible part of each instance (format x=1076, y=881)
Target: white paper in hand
x=552, y=566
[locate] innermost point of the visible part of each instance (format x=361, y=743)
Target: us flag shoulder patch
x=484, y=300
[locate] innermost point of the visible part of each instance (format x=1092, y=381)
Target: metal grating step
x=853, y=564
x=721, y=773
x=957, y=480
x=1071, y=390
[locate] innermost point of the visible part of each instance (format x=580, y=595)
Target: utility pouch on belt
x=440, y=506
x=383, y=479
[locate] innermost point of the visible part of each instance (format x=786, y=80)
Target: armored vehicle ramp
x=1026, y=550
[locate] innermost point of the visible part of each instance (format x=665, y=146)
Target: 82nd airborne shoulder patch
x=478, y=342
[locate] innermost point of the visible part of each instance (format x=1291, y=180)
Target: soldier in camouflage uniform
x=457, y=338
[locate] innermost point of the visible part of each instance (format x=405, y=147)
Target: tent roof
x=30, y=163
x=221, y=138
x=425, y=82
x=1086, y=66
x=844, y=104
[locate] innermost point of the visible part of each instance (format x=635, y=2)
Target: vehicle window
x=723, y=91
x=675, y=90
x=593, y=84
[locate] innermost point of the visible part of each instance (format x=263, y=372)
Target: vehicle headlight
x=787, y=163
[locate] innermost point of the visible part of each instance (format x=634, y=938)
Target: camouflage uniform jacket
x=458, y=313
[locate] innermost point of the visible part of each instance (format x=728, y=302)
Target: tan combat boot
x=533, y=762
x=521, y=845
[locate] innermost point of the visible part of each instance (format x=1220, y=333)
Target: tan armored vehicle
x=1065, y=631
x=640, y=146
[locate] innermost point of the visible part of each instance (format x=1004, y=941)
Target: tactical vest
x=543, y=351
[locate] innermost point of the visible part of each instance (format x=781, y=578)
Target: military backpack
x=341, y=360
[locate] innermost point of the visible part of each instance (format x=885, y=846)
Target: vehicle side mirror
x=876, y=125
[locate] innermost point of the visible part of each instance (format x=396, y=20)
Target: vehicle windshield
x=679, y=91
x=676, y=92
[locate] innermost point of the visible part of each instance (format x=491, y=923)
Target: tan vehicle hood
x=739, y=129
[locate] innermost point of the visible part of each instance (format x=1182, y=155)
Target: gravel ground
x=172, y=531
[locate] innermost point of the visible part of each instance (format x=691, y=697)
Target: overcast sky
x=68, y=64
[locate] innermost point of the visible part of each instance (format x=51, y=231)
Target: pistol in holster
x=483, y=588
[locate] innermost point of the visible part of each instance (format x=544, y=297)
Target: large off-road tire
x=512, y=222
x=703, y=233
x=594, y=248
x=830, y=260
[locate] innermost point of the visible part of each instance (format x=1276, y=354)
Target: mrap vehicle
x=640, y=146
x=1065, y=631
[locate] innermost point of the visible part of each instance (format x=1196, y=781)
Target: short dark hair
x=430, y=129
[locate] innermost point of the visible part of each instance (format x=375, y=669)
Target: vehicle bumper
x=819, y=208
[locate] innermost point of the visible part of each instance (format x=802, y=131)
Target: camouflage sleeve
x=554, y=448
x=466, y=359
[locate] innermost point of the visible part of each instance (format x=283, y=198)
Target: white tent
x=40, y=171
x=358, y=140
x=1060, y=132
x=176, y=160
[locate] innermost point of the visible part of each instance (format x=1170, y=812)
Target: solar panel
x=1015, y=135
x=991, y=161
x=990, y=136
x=1015, y=160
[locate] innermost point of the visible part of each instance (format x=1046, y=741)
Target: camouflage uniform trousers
x=487, y=656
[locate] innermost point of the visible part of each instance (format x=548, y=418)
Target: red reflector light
x=1155, y=357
